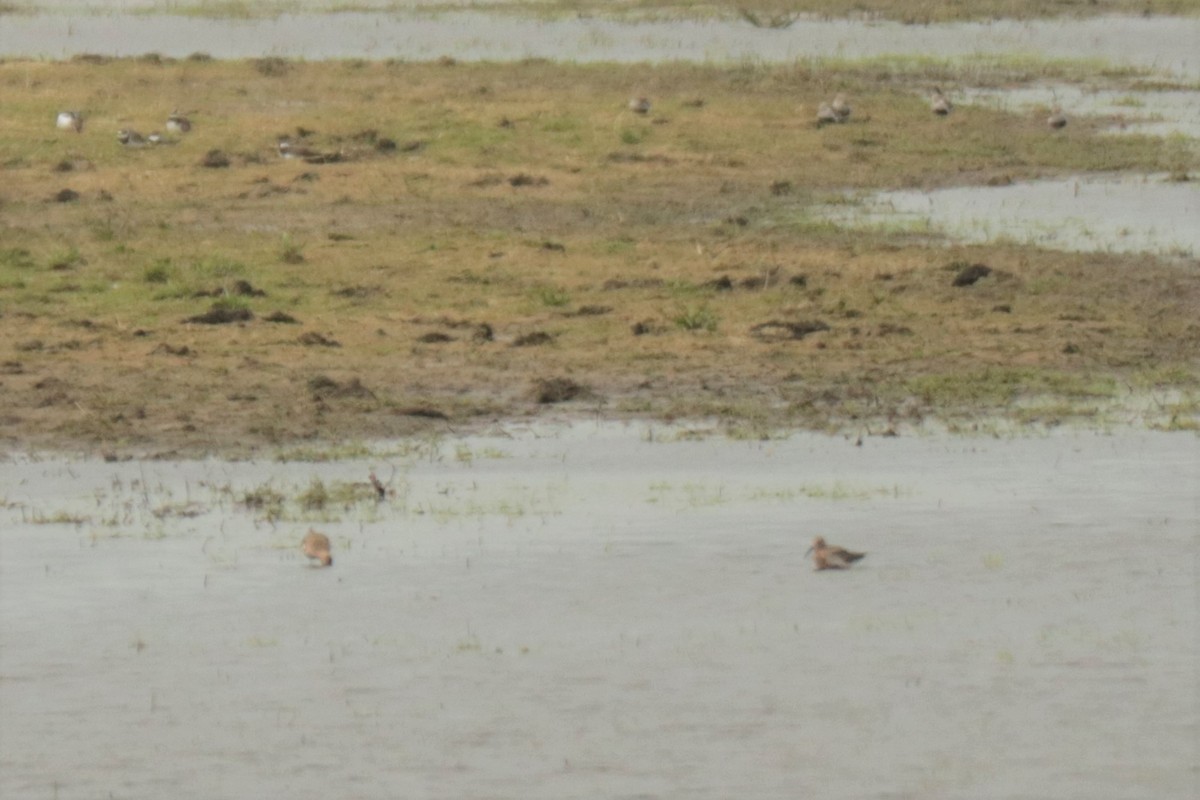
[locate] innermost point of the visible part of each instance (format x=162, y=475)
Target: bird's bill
x=809, y=550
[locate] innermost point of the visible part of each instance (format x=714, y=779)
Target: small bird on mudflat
x=131, y=138
x=1057, y=119
x=316, y=547
x=177, y=123
x=828, y=557
x=826, y=115
x=289, y=150
x=840, y=107
x=939, y=103
x=69, y=121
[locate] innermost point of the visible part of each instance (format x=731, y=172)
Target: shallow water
x=1106, y=213
x=1130, y=112
x=1162, y=44
x=587, y=612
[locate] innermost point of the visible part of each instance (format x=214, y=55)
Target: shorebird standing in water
x=828, y=557
x=939, y=103
x=316, y=547
x=1057, y=118
x=69, y=121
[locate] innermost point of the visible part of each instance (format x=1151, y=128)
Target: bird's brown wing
x=839, y=557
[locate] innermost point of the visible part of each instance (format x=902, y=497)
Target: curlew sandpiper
x=316, y=547
x=828, y=557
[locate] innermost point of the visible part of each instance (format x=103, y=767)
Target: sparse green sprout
x=17, y=257
x=218, y=266
x=315, y=497
x=158, y=272
x=66, y=260
x=266, y=499
x=697, y=318
x=631, y=136
x=292, y=252
x=552, y=296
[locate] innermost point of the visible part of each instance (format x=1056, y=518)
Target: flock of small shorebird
x=177, y=125
x=316, y=545
x=831, y=112
x=838, y=109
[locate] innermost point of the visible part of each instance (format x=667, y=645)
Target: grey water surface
x=604, y=611
x=1091, y=213
x=1162, y=44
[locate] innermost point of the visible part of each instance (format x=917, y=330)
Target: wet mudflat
x=1154, y=113
x=1163, y=44
x=608, y=611
x=1088, y=213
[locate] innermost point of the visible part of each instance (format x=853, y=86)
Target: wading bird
x=827, y=557
x=316, y=547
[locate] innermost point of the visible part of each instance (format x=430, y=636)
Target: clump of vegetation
x=17, y=258
x=264, y=499
x=552, y=296
x=697, y=318
x=159, y=272
x=272, y=66
x=67, y=259
x=292, y=251
x=315, y=497
x=321, y=497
